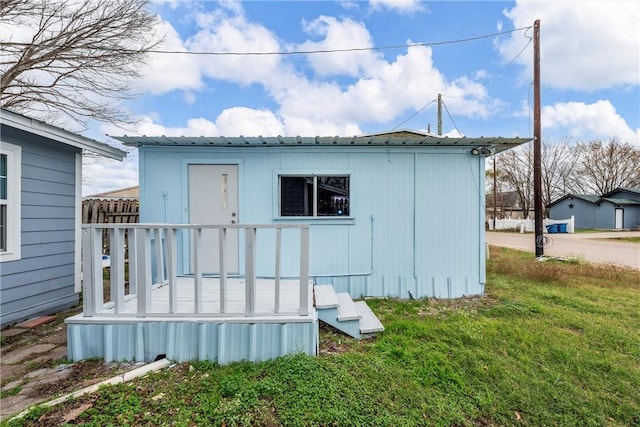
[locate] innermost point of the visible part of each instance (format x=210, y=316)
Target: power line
x=451, y=118
x=414, y=114
x=488, y=81
x=496, y=75
x=294, y=52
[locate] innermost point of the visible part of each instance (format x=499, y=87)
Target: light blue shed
x=396, y=214
x=40, y=216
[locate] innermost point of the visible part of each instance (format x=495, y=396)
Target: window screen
x=314, y=195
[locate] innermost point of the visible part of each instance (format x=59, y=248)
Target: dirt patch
x=34, y=367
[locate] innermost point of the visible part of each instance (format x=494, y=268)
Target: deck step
x=325, y=296
x=369, y=323
x=347, y=308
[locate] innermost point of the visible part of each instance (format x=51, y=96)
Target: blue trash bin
x=562, y=228
x=552, y=228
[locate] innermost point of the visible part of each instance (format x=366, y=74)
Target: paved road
x=593, y=247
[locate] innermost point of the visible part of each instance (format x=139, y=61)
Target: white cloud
x=337, y=34
x=379, y=90
x=399, y=5
x=249, y=122
x=303, y=126
x=166, y=72
x=387, y=91
x=100, y=174
x=587, y=45
x=231, y=122
x=583, y=121
x=235, y=34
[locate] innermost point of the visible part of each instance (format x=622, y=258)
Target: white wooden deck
x=157, y=311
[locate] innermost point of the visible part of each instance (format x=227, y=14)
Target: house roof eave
x=40, y=128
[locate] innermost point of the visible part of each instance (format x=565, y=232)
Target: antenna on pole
x=537, y=141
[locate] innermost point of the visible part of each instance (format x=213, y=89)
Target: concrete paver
x=35, y=322
x=26, y=353
x=12, y=332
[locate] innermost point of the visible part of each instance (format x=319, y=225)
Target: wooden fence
x=110, y=211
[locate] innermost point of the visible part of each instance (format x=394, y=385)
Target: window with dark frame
x=319, y=196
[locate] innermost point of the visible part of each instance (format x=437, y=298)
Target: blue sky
x=590, y=62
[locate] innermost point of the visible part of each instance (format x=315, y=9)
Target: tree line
x=596, y=167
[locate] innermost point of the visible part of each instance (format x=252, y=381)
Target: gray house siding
x=599, y=212
x=632, y=217
x=42, y=280
x=605, y=216
x=584, y=212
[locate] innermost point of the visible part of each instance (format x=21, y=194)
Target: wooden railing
x=160, y=243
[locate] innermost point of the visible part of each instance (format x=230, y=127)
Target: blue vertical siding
x=221, y=342
x=415, y=226
x=42, y=281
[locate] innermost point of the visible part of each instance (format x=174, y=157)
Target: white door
x=213, y=199
x=619, y=218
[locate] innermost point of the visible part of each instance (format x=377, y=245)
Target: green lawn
x=550, y=344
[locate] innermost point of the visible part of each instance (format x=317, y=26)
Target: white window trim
x=14, y=211
x=78, y=226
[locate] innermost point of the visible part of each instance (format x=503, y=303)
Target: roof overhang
x=37, y=127
x=493, y=144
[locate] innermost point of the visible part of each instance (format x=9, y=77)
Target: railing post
x=96, y=276
x=303, y=308
x=170, y=239
x=222, y=239
x=277, y=269
x=88, y=309
x=197, y=266
x=143, y=271
x=157, y=236
x=250, y=271
x=132, y=247
x=116, y=252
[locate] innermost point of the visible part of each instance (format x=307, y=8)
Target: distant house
x=507, y=205
x=40, y=221
x=616, y=210
x=128, y=192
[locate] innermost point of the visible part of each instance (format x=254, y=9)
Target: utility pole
x=439, y=114
x=537, y=142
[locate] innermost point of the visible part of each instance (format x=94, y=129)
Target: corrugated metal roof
x=496, y=143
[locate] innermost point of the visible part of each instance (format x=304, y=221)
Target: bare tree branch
x=80, y=57
x=601, y=167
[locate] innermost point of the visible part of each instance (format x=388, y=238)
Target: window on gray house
x=3, y=202
x=314, y=195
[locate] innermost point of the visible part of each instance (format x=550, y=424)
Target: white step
x=347, y=309
x=369, y=323
x=325, y=296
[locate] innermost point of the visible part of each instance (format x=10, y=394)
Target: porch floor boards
x=235, y=307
